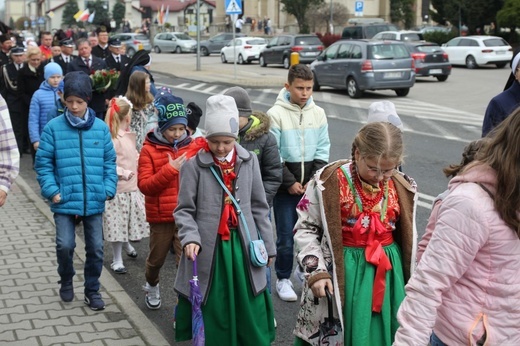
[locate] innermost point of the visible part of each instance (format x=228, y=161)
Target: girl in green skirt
x=236, y=308
x=355, y=236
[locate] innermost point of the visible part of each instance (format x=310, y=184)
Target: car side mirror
x=444, y=45
x=268, y=46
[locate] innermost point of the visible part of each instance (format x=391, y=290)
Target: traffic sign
x=359, y=8
x=233, y=6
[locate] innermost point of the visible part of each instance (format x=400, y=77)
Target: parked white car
x=407, y=36
x=474, y=51
x=242, y=49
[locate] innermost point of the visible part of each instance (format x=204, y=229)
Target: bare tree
x=318, y=16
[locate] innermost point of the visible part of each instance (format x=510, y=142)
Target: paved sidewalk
x=31, y=310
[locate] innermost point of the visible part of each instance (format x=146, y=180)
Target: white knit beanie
x=384, y=111
x=221, y=117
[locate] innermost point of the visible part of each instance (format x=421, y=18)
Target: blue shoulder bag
x=257, y=250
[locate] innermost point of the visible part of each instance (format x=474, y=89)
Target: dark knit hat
x=194, y=113
x=78, y=84
x=241, y=99
x=170, y=110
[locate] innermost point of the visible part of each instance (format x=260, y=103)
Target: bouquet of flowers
x=114, y=77
x=100, y=80
x=104, y=80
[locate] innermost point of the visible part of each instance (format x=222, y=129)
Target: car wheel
x=442, y=78
x=471, y=62
x=157, y=49
x=223, y=58
x=130, y=52
x=402, y=92
x=241, y=59
x=178, y=50
x=204, y=51
x=286, y=62
x=353, y=89
x=316, y=85
x=501, y=65
x=261, y=61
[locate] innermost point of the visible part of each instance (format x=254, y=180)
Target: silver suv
x=359, y=65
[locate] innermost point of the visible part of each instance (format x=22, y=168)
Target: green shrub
x=439, y=37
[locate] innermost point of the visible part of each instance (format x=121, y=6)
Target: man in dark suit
x=9, y=91
x=66, y=56
x=116, y=60
x=6, y=44
x=89, y=63
x=101, y=50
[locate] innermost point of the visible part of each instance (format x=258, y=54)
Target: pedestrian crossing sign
x=233, y=6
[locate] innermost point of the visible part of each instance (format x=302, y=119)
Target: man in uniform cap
x=6, y=44
x=9, y=91
x=66, y=56
x=101, y=50
x=116, y=60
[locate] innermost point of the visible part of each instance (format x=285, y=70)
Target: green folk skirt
x=362, y=326
x=232, y=315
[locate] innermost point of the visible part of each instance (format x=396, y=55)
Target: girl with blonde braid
x=355, y=236
x=124, y=219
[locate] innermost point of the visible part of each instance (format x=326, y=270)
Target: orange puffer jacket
x=158, y=180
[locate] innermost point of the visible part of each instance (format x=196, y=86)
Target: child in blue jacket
x=45, y=100
x=76, y=169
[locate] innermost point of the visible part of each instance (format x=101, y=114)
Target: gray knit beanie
x=241, y=99
x=221, y=117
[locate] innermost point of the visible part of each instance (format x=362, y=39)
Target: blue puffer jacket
x=76, y=158
x=43, y=101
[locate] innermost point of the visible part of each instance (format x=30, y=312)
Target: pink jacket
x=127, y=157
x=468, y=281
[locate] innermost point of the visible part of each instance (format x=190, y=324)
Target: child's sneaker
x=66, y=291
x=94, y=301
x=153, y=296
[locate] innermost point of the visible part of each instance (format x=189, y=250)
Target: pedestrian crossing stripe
x=234, y=7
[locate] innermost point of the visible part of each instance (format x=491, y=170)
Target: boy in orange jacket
x=164, y=151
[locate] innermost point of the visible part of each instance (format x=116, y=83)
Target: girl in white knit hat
x=236, y=306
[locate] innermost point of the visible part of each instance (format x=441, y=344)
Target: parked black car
x=430, y=60
x=279, y=49
x=360, y=28
x=215, y=43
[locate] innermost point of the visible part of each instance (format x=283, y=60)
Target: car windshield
x=428, y=48
x=495, y=42
x=183, y=37
x=256, y=41
x=307, y=41
x=387, y=51
x=141, y=37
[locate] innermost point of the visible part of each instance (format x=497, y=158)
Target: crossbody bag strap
x=237, y=207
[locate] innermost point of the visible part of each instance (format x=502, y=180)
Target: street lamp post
x=331, y=26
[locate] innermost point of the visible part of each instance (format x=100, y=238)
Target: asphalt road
x=439, y=119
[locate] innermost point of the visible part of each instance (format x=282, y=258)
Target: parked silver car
x=177, y=42
x=359, y=65
x=134, y=42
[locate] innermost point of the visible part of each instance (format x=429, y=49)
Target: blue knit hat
x=51, y=69
x=170, y=110
x=78, y=84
